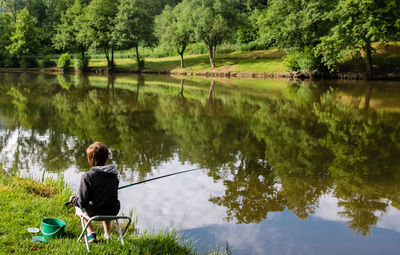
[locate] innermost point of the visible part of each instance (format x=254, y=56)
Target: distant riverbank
x=245, y=64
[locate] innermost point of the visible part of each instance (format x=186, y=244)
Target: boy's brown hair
x=97, y=154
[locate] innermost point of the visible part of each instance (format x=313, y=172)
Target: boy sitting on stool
x=98, y=191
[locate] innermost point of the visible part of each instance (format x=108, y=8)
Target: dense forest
x=316, y=35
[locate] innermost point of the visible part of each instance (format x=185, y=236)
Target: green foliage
x=28, y=61
x=253, y=45
x=25, y=43
x=245, y=35
x=64, y=61
x=357, y=24
x=248, y=30
x=99, y=25
x=173, y=27
x=72, y=33
x=213, y=22
x=196, y=48
x=11, y=61
x=325, y=34
x=80, y=64
x=134, y=25
x=48, y=62
x=157, y=52
x=296, y=26
x=6, y=30
x=301, y=61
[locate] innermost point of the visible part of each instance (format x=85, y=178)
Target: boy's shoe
x=92, y=238
x=107, y=237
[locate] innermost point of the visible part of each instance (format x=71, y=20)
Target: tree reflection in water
x=271, y=153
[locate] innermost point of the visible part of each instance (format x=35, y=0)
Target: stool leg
x=84, y=234
x=120, y=233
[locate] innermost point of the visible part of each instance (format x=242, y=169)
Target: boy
x=98, y=191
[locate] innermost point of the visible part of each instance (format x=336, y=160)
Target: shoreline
x=210, y=74
x=46, y=200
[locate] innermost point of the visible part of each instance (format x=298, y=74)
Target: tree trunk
x=137, y=57
x=214, y=52
x=107, y=57
x=211, y=55
x=181, y=54
x=112, y=56
x=82, y=55
x=368, y=60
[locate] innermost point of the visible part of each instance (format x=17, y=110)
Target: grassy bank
x=24, y=203
x=386, y=60
x=257, y=63
x=270, y=61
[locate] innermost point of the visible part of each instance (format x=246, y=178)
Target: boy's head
x=97, y=154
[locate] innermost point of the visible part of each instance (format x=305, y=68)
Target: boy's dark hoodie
x=98, y=191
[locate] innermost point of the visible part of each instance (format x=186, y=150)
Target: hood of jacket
x=111, y=169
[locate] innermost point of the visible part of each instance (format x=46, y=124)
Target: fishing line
x=159, y=177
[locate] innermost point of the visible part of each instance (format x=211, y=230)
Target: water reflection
x=282, y=147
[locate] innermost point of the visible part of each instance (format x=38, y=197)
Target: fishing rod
x=159, y=177
x=148, y=180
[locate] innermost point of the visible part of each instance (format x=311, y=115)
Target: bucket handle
x=41, y=230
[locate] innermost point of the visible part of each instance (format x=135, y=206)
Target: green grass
x=24, y=203
x=386, y=59
x=270, y=61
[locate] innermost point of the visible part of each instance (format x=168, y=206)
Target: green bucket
x=52, y=227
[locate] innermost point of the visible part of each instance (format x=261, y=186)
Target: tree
x=133, y=26
x=173, y=27
x=358, y=25
x=296, y=26
x=213, y=22
x=100, y=26
x=5, y=34
x=24, y=39
x=71, y=33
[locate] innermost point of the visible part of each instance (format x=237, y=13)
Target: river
x=289, y=167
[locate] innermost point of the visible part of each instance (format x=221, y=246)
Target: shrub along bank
x=24, y=203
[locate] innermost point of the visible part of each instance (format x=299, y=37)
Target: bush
x=47, y=62
x=301, y=61
x=196, y=48
x=254, y=45
x=82, y=65
x=158, y=52
x=28, y=61
x=64, y=61
x=246, y=35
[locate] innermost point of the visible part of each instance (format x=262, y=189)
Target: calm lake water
x=289, y=167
